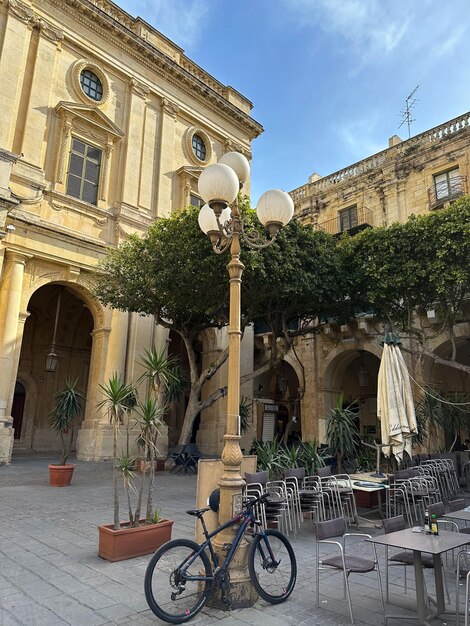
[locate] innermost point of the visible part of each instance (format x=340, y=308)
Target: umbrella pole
x=378, y=448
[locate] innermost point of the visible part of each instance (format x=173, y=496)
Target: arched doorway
x=72, y=339
x=448, y=379
x=354, y=373
x=277, y=397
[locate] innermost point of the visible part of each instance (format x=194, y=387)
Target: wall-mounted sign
x=271, y=408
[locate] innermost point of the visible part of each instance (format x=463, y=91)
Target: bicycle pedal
x=226, y=547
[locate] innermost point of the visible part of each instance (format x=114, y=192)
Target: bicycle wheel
x=172, y=598
x=274, y=580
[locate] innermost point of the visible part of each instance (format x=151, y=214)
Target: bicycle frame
x=247, y=516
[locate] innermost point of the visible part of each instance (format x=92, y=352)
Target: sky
x=328, y=78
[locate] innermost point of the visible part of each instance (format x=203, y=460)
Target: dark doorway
x=18, y=408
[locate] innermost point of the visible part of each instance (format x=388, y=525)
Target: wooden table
x=420, y=542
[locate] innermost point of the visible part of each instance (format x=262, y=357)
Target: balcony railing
x=451, y=128
x=364, y=219
x=446, y=191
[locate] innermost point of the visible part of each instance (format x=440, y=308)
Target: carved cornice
x=32, y=20
x=147, y=54
x=170, y=108
x=50, y=32
x=139, y=88
x=22, y=12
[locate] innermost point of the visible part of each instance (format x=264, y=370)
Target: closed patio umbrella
x=395, y=407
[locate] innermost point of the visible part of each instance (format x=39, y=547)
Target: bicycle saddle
x=198, y=512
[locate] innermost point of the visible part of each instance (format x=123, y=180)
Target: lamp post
x=220, y=220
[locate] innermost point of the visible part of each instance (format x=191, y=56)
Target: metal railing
x=364, y=217
x=446, y=191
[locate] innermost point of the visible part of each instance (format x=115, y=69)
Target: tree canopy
x=403, y=270
x=172, y=272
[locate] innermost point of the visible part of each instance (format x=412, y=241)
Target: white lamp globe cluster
x=219, y=185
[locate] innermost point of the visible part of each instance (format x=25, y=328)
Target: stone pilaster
x=41, y=83
x=167, y=148
x=94, y=440
x=10, y=298
x=15, y=46
x=135, y=138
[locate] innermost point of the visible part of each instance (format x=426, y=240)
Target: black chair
x=191, y=456
x=176, y=457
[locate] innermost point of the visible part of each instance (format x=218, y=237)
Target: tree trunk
x=149, y=514
x=117, y=521
x=193, y=408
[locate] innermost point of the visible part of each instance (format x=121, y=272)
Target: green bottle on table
x=434, y=526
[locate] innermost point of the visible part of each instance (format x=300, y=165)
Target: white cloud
x=358, y=138
x=371, y=28
x=447, y=46
x=179, y=20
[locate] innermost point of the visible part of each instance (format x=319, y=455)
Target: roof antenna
x=406, y=112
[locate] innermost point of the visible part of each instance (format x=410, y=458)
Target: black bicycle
x=180, y=576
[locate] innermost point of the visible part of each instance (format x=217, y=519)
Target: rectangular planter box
x=127, y=543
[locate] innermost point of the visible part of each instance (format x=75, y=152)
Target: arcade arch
x=354, y=373
x=73, y=342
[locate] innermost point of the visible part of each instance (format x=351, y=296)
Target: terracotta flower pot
x=144, y=466
x=127, y=543
x=61, y=475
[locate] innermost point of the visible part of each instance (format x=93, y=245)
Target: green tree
x=401, y=271
x=172, y=273
x=119, y=399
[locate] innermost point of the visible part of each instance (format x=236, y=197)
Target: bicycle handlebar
x=261, y=499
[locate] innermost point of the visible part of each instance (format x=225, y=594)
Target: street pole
x=220, y=219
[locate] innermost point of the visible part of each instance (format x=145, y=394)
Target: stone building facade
x=422, y=174
x=105, y=125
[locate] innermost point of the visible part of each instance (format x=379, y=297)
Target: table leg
x=419, y=578
x=438, y=576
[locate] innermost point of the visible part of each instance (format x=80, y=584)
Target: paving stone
x=93, y=599
x=35, y=614
x=6, y=619
x=73, y=612
x=116, y=611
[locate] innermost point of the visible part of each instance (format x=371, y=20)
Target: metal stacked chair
x=345, y=563
x=276, y=506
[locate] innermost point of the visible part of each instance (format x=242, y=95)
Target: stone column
x=116, y=356
x=10, y=298
x=94, y=440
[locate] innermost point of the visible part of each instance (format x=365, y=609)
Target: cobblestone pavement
x=50, y=573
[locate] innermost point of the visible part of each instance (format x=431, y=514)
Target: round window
x=91, y=85
x=199, y=147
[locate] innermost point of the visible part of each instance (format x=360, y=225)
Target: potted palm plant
x=342, y=434
x=137, y=536
x=68, y=406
